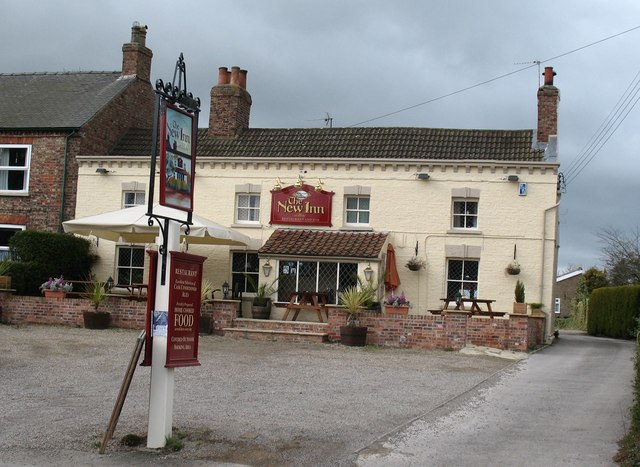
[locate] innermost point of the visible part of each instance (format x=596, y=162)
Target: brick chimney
x=548, y=100
x=230, y=103
x=136, y=57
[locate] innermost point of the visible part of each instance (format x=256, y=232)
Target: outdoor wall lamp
x=109, y=284
x=266, y=268
x=101, y=170
x=225, y=290
x=368, y=273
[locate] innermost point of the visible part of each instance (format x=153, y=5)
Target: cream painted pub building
x=322, y=205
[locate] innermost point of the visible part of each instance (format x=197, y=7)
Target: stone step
x=276, y=335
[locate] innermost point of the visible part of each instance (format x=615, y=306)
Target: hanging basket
x=415, y=264
x=513, y=269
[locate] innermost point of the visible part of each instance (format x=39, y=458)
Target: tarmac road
x=568, y=405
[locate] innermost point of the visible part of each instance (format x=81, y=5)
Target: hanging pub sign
x=177, y=157
x=184, y=309
x=301, y=205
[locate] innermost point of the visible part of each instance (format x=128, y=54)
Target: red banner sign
x=301, y=205
x=184, y=309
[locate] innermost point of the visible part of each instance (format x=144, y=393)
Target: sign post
x=175, y=124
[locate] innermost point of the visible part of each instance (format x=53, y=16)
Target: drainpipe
x=544, y=240
x=64, y=176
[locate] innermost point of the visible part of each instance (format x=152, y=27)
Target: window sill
x=247, y=226
x=14, y=193
x=464, y=232
x=362, y=228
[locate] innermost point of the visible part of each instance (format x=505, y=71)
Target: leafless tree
x=621, y=255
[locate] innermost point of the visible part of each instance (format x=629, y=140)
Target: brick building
x=48, y=119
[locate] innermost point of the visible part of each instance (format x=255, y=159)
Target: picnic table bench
x=473, y=306
x=300, y=301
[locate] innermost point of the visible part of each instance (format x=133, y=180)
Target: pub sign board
x=301, y=205
x=177, y=157
x=184, y=309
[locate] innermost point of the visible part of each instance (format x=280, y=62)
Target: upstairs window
x=357, y=210
x=247, y=208
x=14, y=168
x=132, y=198
x=465, y=214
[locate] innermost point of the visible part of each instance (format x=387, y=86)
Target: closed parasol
x=391, y=278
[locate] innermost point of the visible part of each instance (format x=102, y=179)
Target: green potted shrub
x=536, y=309
x=353, y=300
x=519, y=306
x=261, y=304
x=96, y=292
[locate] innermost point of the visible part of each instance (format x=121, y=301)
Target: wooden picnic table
x=473, y=306
x=307, y=301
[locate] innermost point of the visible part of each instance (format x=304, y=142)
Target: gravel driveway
x=253, y=403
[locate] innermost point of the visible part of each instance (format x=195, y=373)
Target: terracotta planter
x=55, y=293
x=396, y=310
x=353, y=336
x=96, y=319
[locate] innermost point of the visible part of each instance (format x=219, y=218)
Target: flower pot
x=396, y=310
x=261, y=312
x=353, y=336
x=519, y=308
x=96, y=319
x=55, y=293
x=5, y=282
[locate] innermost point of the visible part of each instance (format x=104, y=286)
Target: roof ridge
x=54, y=73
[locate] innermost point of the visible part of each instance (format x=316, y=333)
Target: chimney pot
x=223, y=75
x=548, y=75
x=235, y=75
x=243, y=79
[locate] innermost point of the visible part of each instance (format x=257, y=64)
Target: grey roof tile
x=355, y=143
x=56, y=100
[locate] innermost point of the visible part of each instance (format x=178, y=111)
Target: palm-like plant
x=96, y=291
x=353, y=299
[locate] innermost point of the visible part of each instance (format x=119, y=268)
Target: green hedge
x=36, y=256
x=612, y=311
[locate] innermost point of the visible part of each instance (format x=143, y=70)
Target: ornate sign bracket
x=176, y=94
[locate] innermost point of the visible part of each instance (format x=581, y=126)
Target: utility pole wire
x=453, y=93
x=622, y=104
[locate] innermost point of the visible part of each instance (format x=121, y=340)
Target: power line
x=536, y=63
x=624, y=107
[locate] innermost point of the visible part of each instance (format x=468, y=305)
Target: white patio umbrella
x=131, y=225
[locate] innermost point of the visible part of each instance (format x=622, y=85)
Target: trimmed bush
x=612, y=311
x=39, y=255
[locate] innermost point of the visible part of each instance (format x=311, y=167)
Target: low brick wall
x=452, y=330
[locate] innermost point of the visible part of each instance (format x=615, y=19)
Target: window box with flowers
x=396, y=304
x=56, y=287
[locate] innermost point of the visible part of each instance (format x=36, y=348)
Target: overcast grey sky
x=359, y=60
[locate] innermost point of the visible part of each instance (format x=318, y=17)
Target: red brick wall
x=450, y=331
